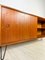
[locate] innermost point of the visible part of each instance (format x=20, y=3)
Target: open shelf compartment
x=41, y=27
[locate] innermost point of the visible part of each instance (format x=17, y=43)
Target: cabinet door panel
x=17, y=27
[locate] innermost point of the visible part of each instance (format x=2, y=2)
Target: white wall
x=35, y=7
x=44, y=7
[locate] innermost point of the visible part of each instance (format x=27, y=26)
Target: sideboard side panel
x=0, y=25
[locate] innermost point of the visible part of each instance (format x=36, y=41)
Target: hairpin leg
x=0, y=53
x=2, y=58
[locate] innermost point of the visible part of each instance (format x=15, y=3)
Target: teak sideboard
x=17, y=26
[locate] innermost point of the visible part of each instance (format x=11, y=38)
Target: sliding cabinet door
x=31, y=26
x=17, y=27
x=10, y=29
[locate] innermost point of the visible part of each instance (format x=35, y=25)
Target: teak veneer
x=17, y=26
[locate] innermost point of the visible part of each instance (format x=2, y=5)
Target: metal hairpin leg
x=0, y=53
x=2, y=58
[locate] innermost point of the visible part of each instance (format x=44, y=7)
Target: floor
x=34, y=50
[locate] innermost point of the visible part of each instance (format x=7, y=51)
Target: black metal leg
x=2, y=58
x=0, y=53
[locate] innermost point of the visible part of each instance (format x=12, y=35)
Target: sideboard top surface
x=21, y=11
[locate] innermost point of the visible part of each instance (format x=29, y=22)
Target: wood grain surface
x=17, y=27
